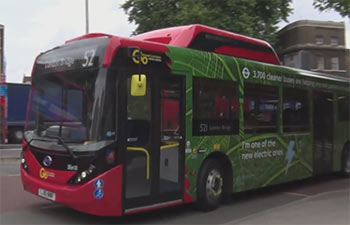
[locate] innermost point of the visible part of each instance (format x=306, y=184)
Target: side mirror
x=138, y=85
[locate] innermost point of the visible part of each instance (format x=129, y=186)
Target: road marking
x=51, y=206
x=13, y=175
x=296, y=194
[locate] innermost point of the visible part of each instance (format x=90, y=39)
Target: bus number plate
x=47, y=194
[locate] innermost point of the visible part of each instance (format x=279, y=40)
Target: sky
x=34, y=26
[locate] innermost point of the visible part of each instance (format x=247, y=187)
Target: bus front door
x=323, y=132
x=153, y=165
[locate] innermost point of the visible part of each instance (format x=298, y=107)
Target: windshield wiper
x=61, y=142
x=28, y=142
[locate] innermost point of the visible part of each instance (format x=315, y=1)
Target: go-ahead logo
x=44, y=174
x=245, y=73
x=138, y=56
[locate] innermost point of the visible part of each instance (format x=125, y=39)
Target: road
x=327, y=197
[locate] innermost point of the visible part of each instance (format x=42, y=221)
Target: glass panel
x=295, y=110
x=319, y=40
x=343, y=107
x=170, y=137
x=62, y=105
x=260, y=108
x=138, y=158
x=334, y=40
x=335, y=63
x=320, y=62
x=215, y=107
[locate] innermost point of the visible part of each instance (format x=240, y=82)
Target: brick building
x=315, y=45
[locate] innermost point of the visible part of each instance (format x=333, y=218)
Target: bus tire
x=210, y=185
x=345, y=169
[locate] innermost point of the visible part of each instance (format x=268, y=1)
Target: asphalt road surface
x=275, y=205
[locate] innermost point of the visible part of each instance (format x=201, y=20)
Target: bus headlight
x=24, y=164
x=85, y=175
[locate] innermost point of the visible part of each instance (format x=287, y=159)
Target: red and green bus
x=178, y=115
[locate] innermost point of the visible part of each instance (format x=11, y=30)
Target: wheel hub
x=214, y=185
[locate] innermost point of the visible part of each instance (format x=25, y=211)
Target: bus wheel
x=346, y=161
x=210, y=185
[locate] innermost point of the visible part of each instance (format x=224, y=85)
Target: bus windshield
x=62, y=106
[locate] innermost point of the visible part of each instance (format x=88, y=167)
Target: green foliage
x=341, y=6
x=256, y=18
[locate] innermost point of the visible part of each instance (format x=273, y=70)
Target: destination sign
x=76, y=55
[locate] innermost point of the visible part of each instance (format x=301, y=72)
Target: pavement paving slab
x=10, y=152
x=325, y=208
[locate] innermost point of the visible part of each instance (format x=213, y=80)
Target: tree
x=341, y=6
x=256, y=18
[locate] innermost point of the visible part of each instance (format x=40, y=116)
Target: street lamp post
x=87, y=16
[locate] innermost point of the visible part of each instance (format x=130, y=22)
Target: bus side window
x=260, y=108
x=215, y=104
x=295, y=110
x=221, y=109
x=343, y=107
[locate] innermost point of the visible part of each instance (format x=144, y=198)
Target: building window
x=291, y=60
x=334, y=40
x=260, y=108
x=319, y=40
x=335, y=63
x=215, y=107
x=320, y=62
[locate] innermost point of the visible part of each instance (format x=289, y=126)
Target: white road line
x=51, y=206
x=13, y=175
x=297, y=194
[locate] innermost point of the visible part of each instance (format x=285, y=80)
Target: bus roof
x=309, y=73
x=146, y=42
x=210, y=39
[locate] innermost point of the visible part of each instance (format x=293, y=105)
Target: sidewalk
x=326, y=208
x=10, y=151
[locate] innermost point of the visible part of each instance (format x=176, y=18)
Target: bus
x=13, y=107
x=174, y=116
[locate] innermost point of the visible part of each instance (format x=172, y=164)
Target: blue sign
x=3, y=90
x=98, y=184
x=98, y=193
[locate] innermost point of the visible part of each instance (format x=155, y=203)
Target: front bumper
x=90, y=198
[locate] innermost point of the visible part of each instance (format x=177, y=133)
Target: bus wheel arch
x=216, y=165
x=345, y=160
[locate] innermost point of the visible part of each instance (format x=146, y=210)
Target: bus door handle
x=132, y=139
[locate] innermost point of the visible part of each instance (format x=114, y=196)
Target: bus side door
x=323, y=132
x=154, y=156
